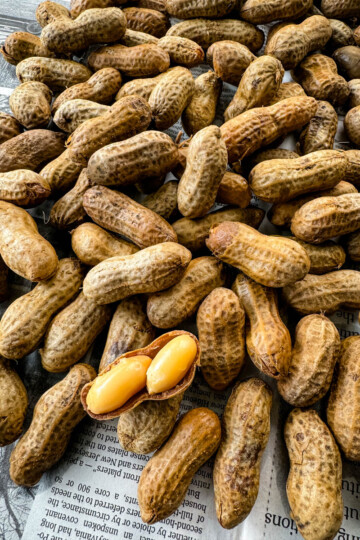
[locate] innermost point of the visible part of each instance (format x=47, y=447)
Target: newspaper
x=92, y=493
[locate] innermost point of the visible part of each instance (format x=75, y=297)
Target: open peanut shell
x=151, y=351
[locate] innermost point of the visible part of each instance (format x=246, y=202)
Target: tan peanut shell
x=56, y=74
x=287, y=90
x=61, y=173
x=68, y=211
x=4, y=271
x=221, y=327
x=146, y=428
x=167, y=476
x=139, y=61
x=344, y=402
x=101, y=88
x=164, y=200
x=145, y=155
x=30, y=104
x=30, y=150
x=269, y=260
x=185, y=9
x=74, y=112
x=292, y=42
x=130, y=329
x=348, y=59
x=9, y=127
x=327, y=217
x=92, y=244
x=268, y=340
x=320, y=133
x=245, y=433
x=323, y=257
x=48, y=12
x=206, y=31
x=354, y=98
x=326, y=293
x=72, y=332
x=351, y=124
x=78, y=6
x=229, y=59
x=258, y=85
x=260, y=126
x=279, y=180
x=131, y=38
x=264, y=155
x=14, y=403
x=25, y=321
x=342, y=34
x=152, y=269
x=201, y=110
x=319, y=77
x=151, y=351
x=353, y=246
x=139, y=87
x=258, y=12
x=158, y=5
x=56, y=414
x=182, y=51
x=23, y=188
x=315, y=477
x=353, y=166
x=21, y=45
x=313, y=358
x=192, y=233
x=342, y=9
x=147, y=20
x=234, y=189
x=205, y=166
x=167, y=309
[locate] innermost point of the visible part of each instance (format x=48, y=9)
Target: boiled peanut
x=313, y=359
x=147, y=20
x=229, y=60
x=182, y=51
x=56, y=414
x=21, y=45
x=30, y=104
x=257, y=12
x=9, y=127
x=25, y=321
x=68, y=211
x=324, y=257
x=292, y=42
x=72, y=113
x=181, y=9
x=23, y=188
x=201, y=110
x=139, y=87
x=351, y=124
x=269, y=260
x=342, y=9
x=78, y=6
x=315, y=477
x=287, y=90
x=131, y=38
x=260, y=126
x=320, y=133
x=14, y=403
x=268, y=340
x=326, y=293
x=192, y=233
x=221, y=326
x=151, y=269
x=245, y=433
x=193, y=441
x=164, y=200
x=62, y=172
x=4, y=271
x=354, y=98
x=344, y=404
x=167, y=309
x=353, y=246
x=130, y=329
x=92, y=244
x=56, y=74
x=342, y=34
x=48, y=12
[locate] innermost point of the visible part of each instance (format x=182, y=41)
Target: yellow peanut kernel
x=171, y=364
x=113, y=388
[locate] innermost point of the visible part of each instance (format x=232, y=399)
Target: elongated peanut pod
x=14, y=402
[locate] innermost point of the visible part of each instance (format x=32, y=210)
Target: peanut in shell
x=9, y=127
x=14, y=403
x=68, y=211
x=30, y=104
x=55, y=73
x=23, y=188
x=21, y=45
x=229, y=59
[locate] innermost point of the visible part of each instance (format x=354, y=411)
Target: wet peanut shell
x=129, y=329
x=30, y=150
x=56, y=414
x=139, y=87
x=14, y=403
x=163, y=201
x=324, y=257
x=48, y=12
x=348, y=60
x=315, y=477
x=21, y=45
x=92, y=244
x=326, y=293
x=221, y=327
x=268, y=340
x=320, y=133
x=68, y=211
x=352, y=126
x=147, y=20
x=150, y=350
x=56, y=74
x=344, y=404
x=169, y=308
x=354, y=98
x=229, y=60
x=61, y=173
x=353, y=246
x=245, y=433
x=342, y=34
x=30, y=104
x=78, y=6
x=24, y=188
x=131, y=38
x=313, y=358
x=258, y=12
x=9, y=127
x=166, y=477
x=185, y=9
x=144, y=429
x=343, y=9
x=182, y=51
x=71, y=114
x=201, y=110
x=25, y=321
x=152, y=269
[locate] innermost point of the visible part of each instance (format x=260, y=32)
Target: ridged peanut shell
x=23, y=188
x=131, y=38
x=354, y=98
x=229, y=59
x=287, y=90
x=190, y=9
x=164, y=200
x=343, y=9
x=78, y=6
x=30, y=104
x=68, y=211
x=264, y=155
x=352, y=126
x=320, y=133
x=234, y=189
x=201, y=110
x=139, y=87
x=56, y=74
x=9, y=127
x=323, y=257
x=259, y=12
x=342, y=34
x=74, y=112
x=182, y=51
x=48, y=12
x=147, y=20
x=61, y=173
x=353, y=246
x=14, y=403
x=21, y=45
x=353, y=166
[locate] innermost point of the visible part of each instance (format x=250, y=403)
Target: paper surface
x=92, y=493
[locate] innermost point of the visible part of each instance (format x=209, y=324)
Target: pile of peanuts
x=149, y=267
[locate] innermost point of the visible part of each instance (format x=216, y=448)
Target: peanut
x=265, y=155
x=78, y=6
x=166, y=477
x=245, y=433
x=167, y=309
x=315, y=477
x=182, y=9
x=9, y=127
x=4, y=271
x=56, y=414
x=234, y=189
x=221, y=326
x=354, y=98
x=313, y=359
x=164, y=200
x=158, y=5
x=353, y=168
x=342, y=34
x=324, y=257
x=139, y=87
x=131, y=38
x=56, y=74
x=292, y=42
x=14, y=403
x=258, y=85
x=130, y=329
x=23, y=188
x=48, y=12
x=326, y=293
x=351, y=124
x=344, y=403
x=268, y=340
x=320, y=133
x=258, y=12
x=260, y=126
x=182, y=51
x=229, y=60
x=30, y=104
x=287, y=90
x=146, y=20
x=62, y=172
x=25, y=321
x=72, y=113
x=357, y=35
x=201, y=110
x=68, y=211
x=92, y=244
x=269, y=260
x=152, y=269
x=353, y=246
x=21, y=45
x=342, y=9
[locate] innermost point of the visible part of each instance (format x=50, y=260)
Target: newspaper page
x=92, y=493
